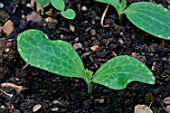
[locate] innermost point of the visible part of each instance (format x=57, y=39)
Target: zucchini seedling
x=150, y=17
x=59, y=57
x=59, y=5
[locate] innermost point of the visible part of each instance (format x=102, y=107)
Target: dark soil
x=69, y=95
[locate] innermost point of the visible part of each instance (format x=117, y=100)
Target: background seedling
x=59, y=57
x=59, y=5
x=150, y=17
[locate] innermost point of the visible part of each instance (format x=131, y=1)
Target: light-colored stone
x=1, y=5
x=36, y=107
x=55, y=109
x=142, y=109
x=2, y=107
x=93, y=32
x=84, y=8
x=72, y=28
x=94, y=48
x=51, y=22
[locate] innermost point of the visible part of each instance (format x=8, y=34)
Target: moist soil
x=59, y=94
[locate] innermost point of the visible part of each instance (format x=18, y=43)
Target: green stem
x=120, y=19
x=88, y=77
x=42, y=11
x=89, y=87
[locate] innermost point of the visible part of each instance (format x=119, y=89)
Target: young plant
x=59, y=57
x=150, y=17
x=59, y=5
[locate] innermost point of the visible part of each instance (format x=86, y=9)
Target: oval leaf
x=121, y=70
x=57, y=56
x=58, y=4
x=152, y=18
x=69, y=14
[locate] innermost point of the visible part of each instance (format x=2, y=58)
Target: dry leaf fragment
x=142, y=109
x=17, y=88
x=166, y=100
x=94, y=48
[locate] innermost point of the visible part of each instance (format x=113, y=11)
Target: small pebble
x=93, y=32
x=167, y=108
x=94, y=48
x=134, y=54
x=51, y=22
x=1, y=5
x=2, y=107
x=61, y=36
x=93, y=22
x=33, y=16
x=55, y=109
x=120, y=41
x=88, y=29
x=9, y=44
x=153, y=68
x=8, y=27
x=84, y=8
x=76, y=39
x=28, y=5
x=166, y=100
x=36, y=107
x=100, y=101
x=6, y=50
x=77, y=46
x=121, y=33
x=55, y=102
x=72, y=28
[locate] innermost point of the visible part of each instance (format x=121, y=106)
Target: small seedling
x=59, y=5
x=150, y=17
x=59, y=57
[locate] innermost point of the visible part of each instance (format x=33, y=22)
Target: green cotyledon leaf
x=57, y=56
x=121, y=70
x=69, y=14
x=153, y=19
x=58, y=4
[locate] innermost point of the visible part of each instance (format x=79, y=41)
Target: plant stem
x=88, y=77
x=42, y=11
x=121, y=19
x=90, y=87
